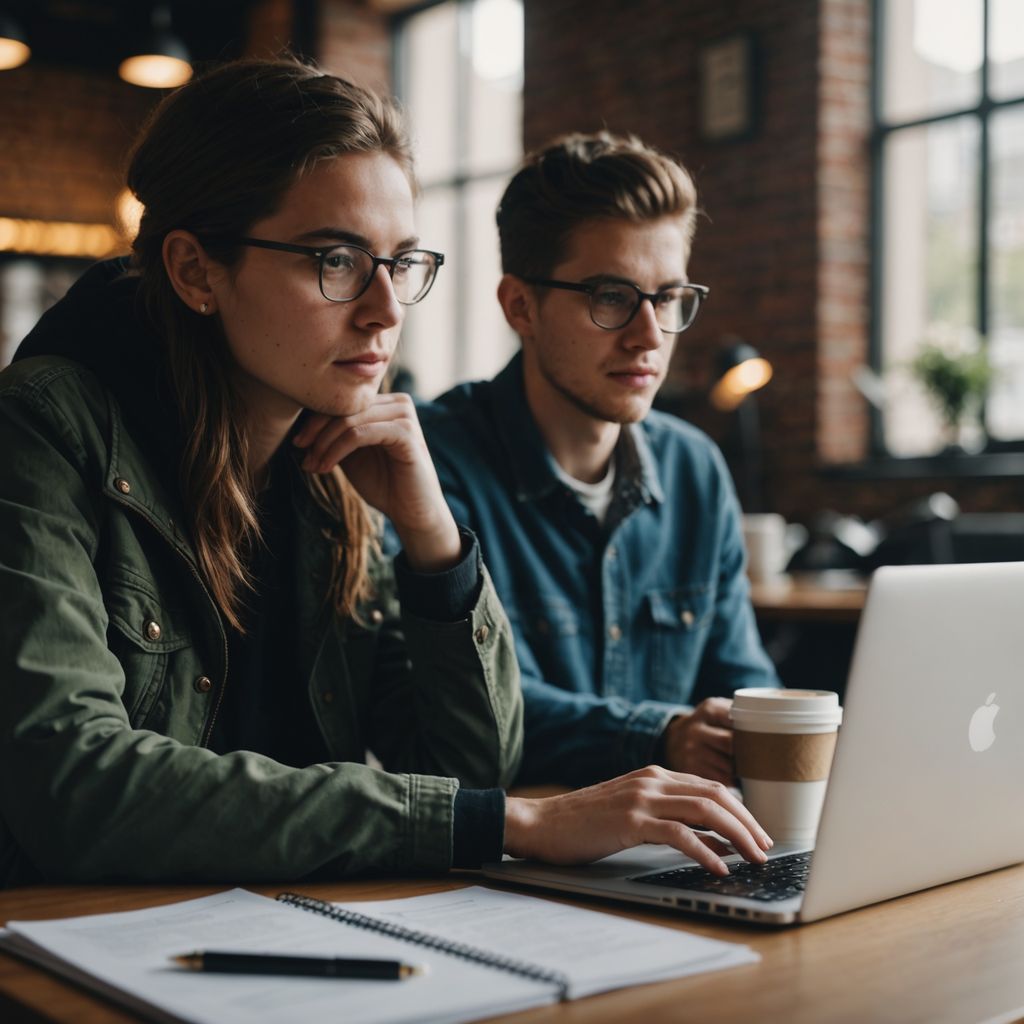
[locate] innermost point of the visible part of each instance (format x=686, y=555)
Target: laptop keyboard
x=779, y=879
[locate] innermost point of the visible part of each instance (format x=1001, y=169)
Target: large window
x=949, y=159
x=459, y=71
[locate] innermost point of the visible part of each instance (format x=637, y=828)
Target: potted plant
x=956, y=379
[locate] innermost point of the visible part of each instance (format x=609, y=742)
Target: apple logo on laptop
x=980, y=732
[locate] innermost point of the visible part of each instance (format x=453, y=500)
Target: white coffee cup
x=784, y=741
x=765, y=538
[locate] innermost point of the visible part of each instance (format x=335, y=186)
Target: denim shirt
x=617, y=627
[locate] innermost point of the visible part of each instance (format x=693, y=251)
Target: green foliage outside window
x=955, y=381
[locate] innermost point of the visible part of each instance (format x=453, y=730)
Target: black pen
x=311, y=966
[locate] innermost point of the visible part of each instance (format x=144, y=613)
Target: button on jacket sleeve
x=103, y=772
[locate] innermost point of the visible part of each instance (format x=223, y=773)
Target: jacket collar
x=532, y=464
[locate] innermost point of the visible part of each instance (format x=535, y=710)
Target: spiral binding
x=459, y=949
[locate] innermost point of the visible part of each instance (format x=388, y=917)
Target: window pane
x=1006, y=274
x=496, y=80
x=29, y=287
x=929, y=263
x=427, y=348
x=1006, y=49
x=462, y=83
x=932, y=59
x=430, y=83
x=490, y=341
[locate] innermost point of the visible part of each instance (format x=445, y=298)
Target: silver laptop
x=926, y=786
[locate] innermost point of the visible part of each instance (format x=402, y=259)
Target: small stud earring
x=204, y=308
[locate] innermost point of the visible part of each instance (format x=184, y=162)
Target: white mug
x=770, y=542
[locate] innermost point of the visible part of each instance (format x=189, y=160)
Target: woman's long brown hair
x=217, y=156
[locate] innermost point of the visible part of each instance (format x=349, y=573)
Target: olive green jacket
x=113, y=662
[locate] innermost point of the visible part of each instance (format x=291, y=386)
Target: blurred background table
x=824, y=597
x=808, y=624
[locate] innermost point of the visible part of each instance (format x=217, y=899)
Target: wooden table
x=800, y=600
x=955, y=953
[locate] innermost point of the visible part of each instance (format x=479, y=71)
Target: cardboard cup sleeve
x=784, y=757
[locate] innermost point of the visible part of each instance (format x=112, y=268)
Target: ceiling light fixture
x=14, y=50
x=162, y=61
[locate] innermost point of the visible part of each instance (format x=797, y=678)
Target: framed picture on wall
x=726, y=69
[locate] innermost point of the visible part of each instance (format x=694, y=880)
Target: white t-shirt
x=596, y=497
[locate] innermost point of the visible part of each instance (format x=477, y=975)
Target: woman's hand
x=651, y=805
x=382, y=452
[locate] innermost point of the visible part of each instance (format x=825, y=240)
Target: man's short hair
x=578, y=178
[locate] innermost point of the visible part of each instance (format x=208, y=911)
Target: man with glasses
x=612, y=532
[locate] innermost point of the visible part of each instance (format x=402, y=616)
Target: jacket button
x=122, y=485
x=614, y=632
x=327, y=696
x=153, y=630
x=203, y=684
x=686, y=617
x=613, y=553
x=481, y=634
x=376, y=616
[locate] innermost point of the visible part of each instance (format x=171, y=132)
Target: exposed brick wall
x=271, y=29
x=844, y=121
x=65, y=134
x=354, y=41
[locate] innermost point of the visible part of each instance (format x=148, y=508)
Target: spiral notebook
x=486, y=953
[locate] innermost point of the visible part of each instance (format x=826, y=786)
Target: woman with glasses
x=201, y=644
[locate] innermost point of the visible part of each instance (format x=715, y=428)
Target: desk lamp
x=740, y=370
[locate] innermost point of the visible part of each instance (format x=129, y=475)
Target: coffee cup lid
x=791, y=711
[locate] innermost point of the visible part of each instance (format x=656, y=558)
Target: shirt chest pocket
x=679, y=620
x=145, y=634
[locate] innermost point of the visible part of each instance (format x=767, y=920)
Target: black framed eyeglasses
x=347, y=270
x=613, y=304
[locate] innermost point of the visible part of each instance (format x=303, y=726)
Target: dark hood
x=101, y=324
